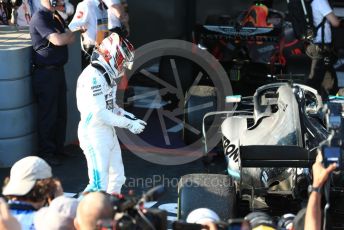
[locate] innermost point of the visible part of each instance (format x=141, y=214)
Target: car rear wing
x=262, y=34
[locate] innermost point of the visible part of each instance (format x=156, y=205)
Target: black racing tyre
x=205, y=98
x=213, y=191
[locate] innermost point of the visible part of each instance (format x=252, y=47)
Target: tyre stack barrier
x=18, y=137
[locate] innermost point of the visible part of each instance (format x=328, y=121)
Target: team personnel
x=118, y=17
x=91, y=17
x=96, y=101
x=50, y=37
x=322, y=50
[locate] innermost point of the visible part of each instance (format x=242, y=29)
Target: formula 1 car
x=269, y=142
x=253, y=46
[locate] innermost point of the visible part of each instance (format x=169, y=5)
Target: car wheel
x=213, y=191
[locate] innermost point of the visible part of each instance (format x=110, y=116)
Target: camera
x=333, y=155
x=332, y=149
x=130, y=213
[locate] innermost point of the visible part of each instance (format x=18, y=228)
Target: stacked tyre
x=17, y=108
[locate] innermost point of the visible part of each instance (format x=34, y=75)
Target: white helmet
x=115, y=54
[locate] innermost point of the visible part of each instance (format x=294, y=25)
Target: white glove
x=122, y=112
x=137, y=126
x=132, y=116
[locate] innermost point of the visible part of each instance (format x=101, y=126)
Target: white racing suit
x=96, y=101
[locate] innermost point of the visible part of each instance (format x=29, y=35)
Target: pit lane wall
x=18, y=125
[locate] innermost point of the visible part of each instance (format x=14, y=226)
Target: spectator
x=91, y=18
x=29, y=187
x=93, y=208
x=7, y=221
x=50, y=37
x=313, y=211
x=96, y=101
x=205, y=217
x=321, y=52
x=260, y=220
x=286, y=222
x=201, y=215
x=58, y=216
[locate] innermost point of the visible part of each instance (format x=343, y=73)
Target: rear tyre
x=213, y=191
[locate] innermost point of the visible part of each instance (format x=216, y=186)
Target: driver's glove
x=122, y=112
x=129, y=115
x=137, y=126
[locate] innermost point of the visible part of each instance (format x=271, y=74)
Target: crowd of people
x=34, y=199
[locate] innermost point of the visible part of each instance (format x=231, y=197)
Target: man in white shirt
x=321, y=60
x=91, y=17
x=321, y=9
x=118, y=18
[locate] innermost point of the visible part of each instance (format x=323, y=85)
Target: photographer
x=320, y=176
x=94, y=207
x=205, y=217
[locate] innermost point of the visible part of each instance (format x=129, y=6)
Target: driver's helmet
x=114, y=54
x=257, y=16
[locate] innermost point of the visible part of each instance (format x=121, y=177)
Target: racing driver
x=96, y=101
